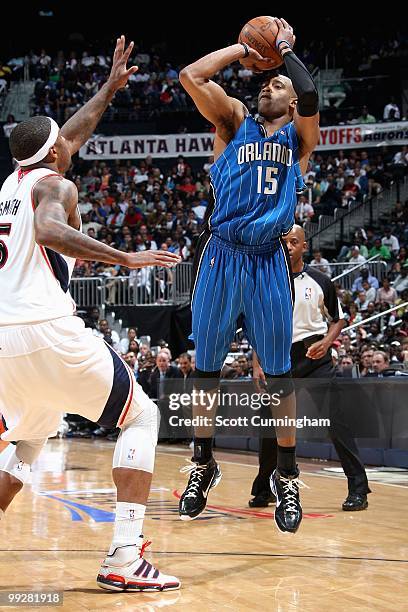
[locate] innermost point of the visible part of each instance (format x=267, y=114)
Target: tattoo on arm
x=56, y=199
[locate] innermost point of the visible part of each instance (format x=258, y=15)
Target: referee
x=317, y=321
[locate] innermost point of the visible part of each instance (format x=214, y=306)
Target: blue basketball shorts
x=253, y=281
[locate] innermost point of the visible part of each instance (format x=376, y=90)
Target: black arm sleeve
x=303, y=84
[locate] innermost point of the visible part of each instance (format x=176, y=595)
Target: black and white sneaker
x=288, y=511
x=202, y=479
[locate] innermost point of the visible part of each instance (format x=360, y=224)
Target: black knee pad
x=206, y=380
x=280, y=383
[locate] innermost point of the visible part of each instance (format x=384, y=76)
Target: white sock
x=128, y=525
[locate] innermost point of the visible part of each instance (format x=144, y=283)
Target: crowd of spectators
x=65, y=80
x=139, y=206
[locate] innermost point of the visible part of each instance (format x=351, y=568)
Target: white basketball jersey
x=33, y=279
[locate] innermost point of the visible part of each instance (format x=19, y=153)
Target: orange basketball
x=260, y=34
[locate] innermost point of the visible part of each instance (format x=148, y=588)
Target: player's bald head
x=285, y=80
x=288, y=83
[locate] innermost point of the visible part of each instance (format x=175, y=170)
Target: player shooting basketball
x=242, y=262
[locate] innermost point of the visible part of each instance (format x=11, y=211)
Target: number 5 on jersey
x=5, y=229
x=271, y=182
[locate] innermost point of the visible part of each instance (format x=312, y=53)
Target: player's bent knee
x=135, y=446
x=280, y=383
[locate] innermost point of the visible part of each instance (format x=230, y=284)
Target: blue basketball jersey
x=255, y=181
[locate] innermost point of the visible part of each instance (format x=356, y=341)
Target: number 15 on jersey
x=267, y=184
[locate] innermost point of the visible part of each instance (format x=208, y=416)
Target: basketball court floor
x=56, y=532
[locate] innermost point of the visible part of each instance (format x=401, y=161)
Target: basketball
x=260, y=34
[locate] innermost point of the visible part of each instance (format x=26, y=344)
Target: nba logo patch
x=131, y=454
x=308, y=293
x=212, y=262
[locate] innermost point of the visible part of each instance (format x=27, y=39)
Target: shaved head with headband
x=32, y=139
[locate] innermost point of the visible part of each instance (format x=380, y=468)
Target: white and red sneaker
x=126, y=570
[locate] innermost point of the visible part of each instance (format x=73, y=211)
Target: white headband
x=41, y=153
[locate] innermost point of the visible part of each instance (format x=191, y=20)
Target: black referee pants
x=339, y=431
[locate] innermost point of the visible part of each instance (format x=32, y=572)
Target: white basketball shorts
x=59, y=366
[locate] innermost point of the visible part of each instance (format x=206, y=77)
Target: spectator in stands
x=360, y=240
x=375, y=334
x=116, y=218
x=346, y=362
x=183, y=249
x=365, y=116
x=391, y=106
x=131, y=360
x=304, y=211
x=91, y=320
x=97, y=214
x=243, y=366
x=146, y=363
x=88, y=224
x=370, y=310
x=9, y=126
x=125, y=342
x=355, y=256
x=380, y=249
x=320, y=262
x=140, y=282
x=381, y=364
x=366, y=361
x=390, y=241
x=163, y=370
x=187, y=371
x=401, y=280
x=133, y=216
x=361, y=301
x=364, y=276
x=350, y=191
x=361, y=180
x=200, y=206
x=109, y=335
x=359, y=369
x=386, y=293
x=370, y=293
x=185, y=365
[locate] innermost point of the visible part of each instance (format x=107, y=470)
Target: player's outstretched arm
x=82, y=124
x=55, y=201
x=306, y=116
x=214, y=104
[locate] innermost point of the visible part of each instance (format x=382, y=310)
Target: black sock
x=287, y=460
x=202, y=450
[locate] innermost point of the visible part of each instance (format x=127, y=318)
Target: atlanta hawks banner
x=136, y=147
x=200, y=145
